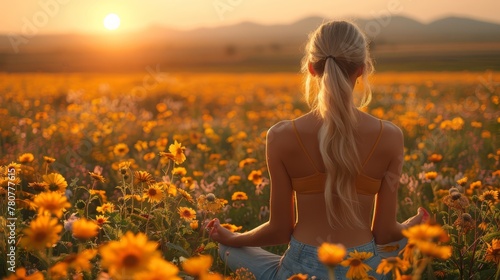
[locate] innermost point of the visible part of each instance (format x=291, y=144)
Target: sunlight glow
x=112, y=21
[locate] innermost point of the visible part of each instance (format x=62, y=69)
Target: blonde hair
x=336, y=51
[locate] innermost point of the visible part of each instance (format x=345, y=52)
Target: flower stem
x=331, y=272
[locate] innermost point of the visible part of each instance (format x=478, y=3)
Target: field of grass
x=87, y=158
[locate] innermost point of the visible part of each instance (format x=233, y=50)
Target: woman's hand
x=421, y=217
x=221, y=234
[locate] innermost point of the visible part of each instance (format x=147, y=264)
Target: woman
x=339, y=164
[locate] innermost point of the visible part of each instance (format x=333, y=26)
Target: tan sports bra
x=315, y=183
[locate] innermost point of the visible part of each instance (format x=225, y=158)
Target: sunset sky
x=67, y=16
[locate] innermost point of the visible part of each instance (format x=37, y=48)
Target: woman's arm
x=281, y=220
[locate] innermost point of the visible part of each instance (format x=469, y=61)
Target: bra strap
x=302, y=145
x=375, y=145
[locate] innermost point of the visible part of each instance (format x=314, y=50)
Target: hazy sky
x=55, y=16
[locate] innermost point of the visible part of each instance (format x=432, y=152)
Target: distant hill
x=397, y=43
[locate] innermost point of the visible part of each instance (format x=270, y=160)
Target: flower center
x=130, y=260
x=355, y=262
x=40, y=236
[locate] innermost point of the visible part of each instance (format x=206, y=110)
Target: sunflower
x=234, y=180
x=81, y=261
x=426, y=236
x=435, y=158
x=491, y=197
x=97, y=177
x=159, y=269
x=100, y=193
x=186, y=213
x=357, y=268
x=56, y=182
x=39, y=186
x=462, y=181
x=394, y=265
x=149, y=157
x=298, y=276
x=194, y=225
x=210, y=203
x=26, y=158
x=51, y=202
x=456, y=200
x=239, y=196
x=101, y=220
x=124, y=166
x=20, y=274
x=186, y=195
x=465, y=222
x=331, y=254
x=188, y=182
x=130, y=255
x=255, y=176
x=197, y=266
x=177, y=150
x=43, y=232
x=409, y=252
x=143, y=177
x=493, y=251
x=154, y=193
x=48, y=160
x=121, y=149
x=431, y=175
x=475, y=185
x=246, y=162
x=180, y=171
x=84, y=229
x=106, y=207
x=232, y=227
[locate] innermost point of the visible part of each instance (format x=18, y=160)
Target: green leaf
x=178, y=249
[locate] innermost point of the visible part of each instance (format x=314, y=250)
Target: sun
x=112, y=21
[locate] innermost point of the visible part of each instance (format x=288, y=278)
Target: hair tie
x=332, y=57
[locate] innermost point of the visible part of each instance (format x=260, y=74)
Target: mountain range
x=397, y=42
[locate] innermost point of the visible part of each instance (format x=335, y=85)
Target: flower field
x=115, y=176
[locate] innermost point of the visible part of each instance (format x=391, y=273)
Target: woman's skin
x=285, y=159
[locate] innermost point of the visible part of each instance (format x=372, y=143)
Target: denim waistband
x=296, y=248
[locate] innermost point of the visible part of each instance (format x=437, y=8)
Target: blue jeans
x=298, y=258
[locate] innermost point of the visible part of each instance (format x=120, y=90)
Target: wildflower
x=255, y=176
x=186, y=213
x=483, y=226
x=39, y=186
x=97, y=177
x=101, y=220
x=26, y=158
x=161, y=144
x=124, y=166
x=491, y=197
x=49, y=160
x=331, y=254
x=106, y=207
x=243, y=273
x=409, y=252
x=234, y=180
x=435, y=158
x=51, y=202
x=232, y=227
x=121, y=150
x=143, y=177
x=465, y=222
x=462, y=181
x=475, y=185
x=299, y=276
x=84, y=229
x=194, y=225
x=246, y=162
x=196, y=266
x=357, y=269
x=20, y=274
x=188, y=182
x=148, y=156
x=394, y=265
x=239, y=196
x=55, y=181
x=80, y=262
x=431, y=175
x=210, y=203
x=456, y=200
x=130, y=255
x=177, y=151
x=154, y=193
x=159, y=269
x=493, y=251
x=43, y=232
x=214, y=157
x=171, y=189
x=186, y=195
x=426, y=237
x=181, y=171
x=100, y=193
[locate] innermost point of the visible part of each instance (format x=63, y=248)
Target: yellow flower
x=186, y=195
x=97, y=177
x=435, y=158
x=124, y=166
x=394, y=264
x=186, y=213
x=39, y=186
x=20, y=274
x=85, y=229
x=210, y=203
x=431, y=175
x=246, y=162
x=491, y=197
x=101, y=220
x=239, y=196
x=255, y=176
x=106, y=207
x=100, y=193
x=143, y=177
x=55, y=181
x=188, y=182
x=121, y=149
x=48, y=160
x=154, y=193
x=130, y=255
x=232, y=227
x=196, y=266
x=357, y=268
x=178, y=151
x=331, y=254
x=43, y=232
x=462, y=181
x=181, y=171
x=493, y=251
x=148, y=156
x=234, y=180
x=299, y=276
x=26, y=158
x=51, y=202
x=456, y=200
x=159, y=269
x=214, y=157
x=426, y=236
x=81, y=261
x=433, y=250
x=475, y=185
x=194, y=225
